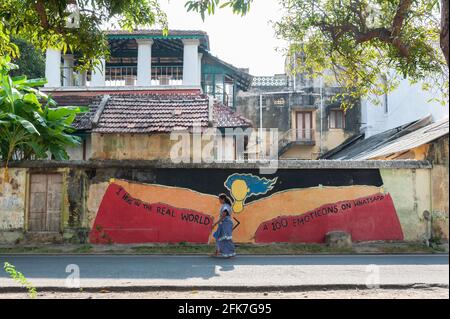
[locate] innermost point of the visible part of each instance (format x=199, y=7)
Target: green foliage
x=366, y=46
x=43, y=23
x=30, y=123
x=210, y=6
x=20, y=278
x=31, y=62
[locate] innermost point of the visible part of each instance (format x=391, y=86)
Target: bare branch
x=400, y=17
x=444, y=36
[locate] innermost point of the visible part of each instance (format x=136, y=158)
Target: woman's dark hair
x=225, y=198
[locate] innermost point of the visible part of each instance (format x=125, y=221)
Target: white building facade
x=407, y=103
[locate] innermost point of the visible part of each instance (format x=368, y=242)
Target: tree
x=367, y=44
x=30, y=62
x=209, y=6
x=76, y=25
x=31, y=126
x=444, y=34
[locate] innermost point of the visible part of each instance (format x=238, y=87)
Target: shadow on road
x=184, y=267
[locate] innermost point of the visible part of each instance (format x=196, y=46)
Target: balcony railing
x=167, y=75
x=75, y=79
x=298, y=135
x=127, y=76
x=121, y=76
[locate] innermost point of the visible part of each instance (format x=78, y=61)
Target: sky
x=245, y=42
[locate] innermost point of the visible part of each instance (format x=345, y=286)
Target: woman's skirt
x=224, y=238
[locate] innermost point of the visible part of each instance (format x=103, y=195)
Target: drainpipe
x=321, y=114
x=260, y=118
x=427, y=217
x=210, y=109
x=295, y=72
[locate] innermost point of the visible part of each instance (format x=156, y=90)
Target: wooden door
x=45, y=203
x=304, y=126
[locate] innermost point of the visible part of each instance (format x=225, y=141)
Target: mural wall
x=180, y=205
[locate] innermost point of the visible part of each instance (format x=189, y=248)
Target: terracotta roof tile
x=149, y=113
x=225, y=117
x=83, y=121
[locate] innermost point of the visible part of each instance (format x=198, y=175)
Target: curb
x=239, y=255
x=222, y=288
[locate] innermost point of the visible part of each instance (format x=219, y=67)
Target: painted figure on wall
x=242, y=186
x=294, y=206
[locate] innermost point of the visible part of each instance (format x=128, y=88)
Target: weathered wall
x=147, y=147
x=131, y=146
x=331, y=138
x=125, y=203
x=419, y=153
x=274, y=116
x=83, y=151
x=439, y=156
x=12, y=204
x=283, y=117
x=410, y=191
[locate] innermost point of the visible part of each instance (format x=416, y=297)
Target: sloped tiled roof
x=225, y=117
x=152, y=113
x=83, y=121
x=73, y=99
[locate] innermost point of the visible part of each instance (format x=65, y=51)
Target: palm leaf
x=27, y=125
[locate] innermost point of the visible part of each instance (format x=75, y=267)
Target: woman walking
x=223, y=235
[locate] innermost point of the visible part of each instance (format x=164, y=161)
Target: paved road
x=247, y=271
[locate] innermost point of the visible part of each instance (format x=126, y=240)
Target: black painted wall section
x=211, y=181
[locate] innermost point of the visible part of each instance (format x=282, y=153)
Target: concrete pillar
x=53, y=67
x=144, y=63
x=190, y=62
x=81, y=79
x=82, y=76
x=98, y=74
x=68, y=70
x=200, y=56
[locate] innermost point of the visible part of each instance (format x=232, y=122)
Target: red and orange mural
x=267, y=210
x=124, y=219
x=368, y=218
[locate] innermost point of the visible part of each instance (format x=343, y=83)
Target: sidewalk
x=411, y=293
x=248, y=249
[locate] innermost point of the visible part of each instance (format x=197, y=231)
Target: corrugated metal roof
x=412, y=140
x=358, y=147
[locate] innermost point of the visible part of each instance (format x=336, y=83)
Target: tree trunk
x=444, y=28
